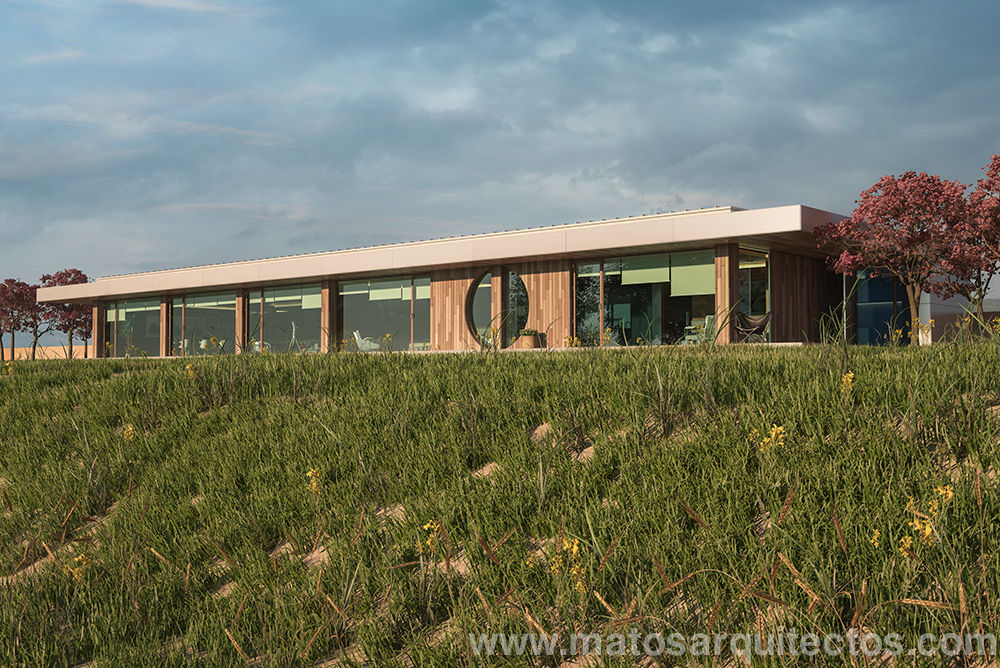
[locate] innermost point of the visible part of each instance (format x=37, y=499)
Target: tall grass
x=163, y=512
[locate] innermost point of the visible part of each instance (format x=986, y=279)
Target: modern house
x=654, y=279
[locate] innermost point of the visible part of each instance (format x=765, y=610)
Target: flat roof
x=783, y=227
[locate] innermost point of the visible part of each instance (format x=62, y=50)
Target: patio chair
x=753, y=328
x=365, y=344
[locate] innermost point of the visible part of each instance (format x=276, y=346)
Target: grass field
x=377, y=508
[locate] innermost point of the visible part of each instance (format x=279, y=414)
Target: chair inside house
x=365, y=344
x=753, y=328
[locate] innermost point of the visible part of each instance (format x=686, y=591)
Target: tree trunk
x=70, y=353
x=913, y=296
x=86, y=347
x=12, y=356
x=34, y=343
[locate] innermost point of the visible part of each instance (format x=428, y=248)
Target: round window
x=501, y=329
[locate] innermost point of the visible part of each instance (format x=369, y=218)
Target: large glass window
x=515, y=307
x=132, y=328
x=480, y=307
x=647, y=299
x=883, y=310
x=204, y=324
x=755, y=292
x=285, y=319
x=422, y=313
x=385, y=314
x=588, y=303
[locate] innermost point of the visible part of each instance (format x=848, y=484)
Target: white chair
x=365, y=344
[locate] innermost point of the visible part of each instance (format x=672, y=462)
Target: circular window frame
x=470, y=297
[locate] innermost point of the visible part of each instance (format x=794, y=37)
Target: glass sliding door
x=634, y=290
x=209, y=322
x=285, y=319
x=647, y=299
x=587, y=296
x=422, y=313
x=132, y=328
x=755, y=286
x=690, y=312
x=385, y=314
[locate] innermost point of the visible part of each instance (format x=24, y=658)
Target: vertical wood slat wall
x=727, y=290
x=802, y=291
x=550, y=298
x=449, y=290
x=329, y=321
x=97, y=320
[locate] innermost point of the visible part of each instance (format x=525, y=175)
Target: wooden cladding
x=449, y=291
x=727, y=291
x=803, y=290
x=550, y=299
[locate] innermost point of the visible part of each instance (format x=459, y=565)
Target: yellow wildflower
x=190, y=370
x=932, y=507
x=905, y=545
x=847, y=382
x=314, y=485
x=128, y=433
x=876, y=538
x=945, y=492
x=774, y=438
x=432, y=544
x=82, y=563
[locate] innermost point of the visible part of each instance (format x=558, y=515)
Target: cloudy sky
x=147, y=134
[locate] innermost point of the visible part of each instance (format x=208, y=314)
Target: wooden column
x=727, y=291
x=166, y=326
x=241, y=321
x=328, y=317
x=498, y=284
x=97, y=313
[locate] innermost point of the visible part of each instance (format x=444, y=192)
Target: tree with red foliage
x=17, y=302
x=70, y=319
x=35, y=316
x=907, y=226
x=984, y=224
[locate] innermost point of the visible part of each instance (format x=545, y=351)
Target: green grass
x=176, y=482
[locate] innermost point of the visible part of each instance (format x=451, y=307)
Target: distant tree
x=907, y=226
x=70, y=319
x=17, y=299
x=984, y=226
x=35, y=316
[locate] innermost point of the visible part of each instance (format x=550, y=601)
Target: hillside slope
x=353, y=508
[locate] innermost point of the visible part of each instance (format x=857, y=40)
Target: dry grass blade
x=239, y=650
x=489, y=551
x=503, y=540
x=607, y=553
x=928, y=604
x=361, y=524
x=694, y=515
x=162, y=558
x=764, y=596
x=749, y=586
x=223, y=553
x=606, y=605
x=786, y=505
x=839, y=530
x=859, y=607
